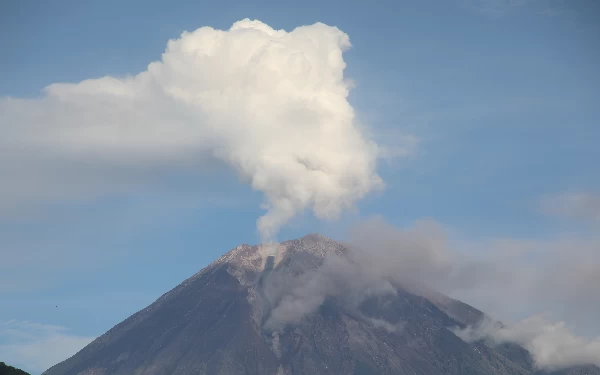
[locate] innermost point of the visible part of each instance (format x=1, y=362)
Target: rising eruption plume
x=270, y=104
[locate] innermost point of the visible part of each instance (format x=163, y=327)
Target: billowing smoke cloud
x=507, y=278
x=378, y=255
x=552, y=345
x=535, y=275
x=338, y=276
x=270, y=104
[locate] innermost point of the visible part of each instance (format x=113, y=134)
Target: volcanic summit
x=249, y=313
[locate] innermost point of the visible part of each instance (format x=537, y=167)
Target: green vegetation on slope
x=9, y=370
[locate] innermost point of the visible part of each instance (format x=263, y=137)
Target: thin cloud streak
x=36, y=347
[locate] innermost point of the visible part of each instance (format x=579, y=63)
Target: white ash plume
x=270, y=104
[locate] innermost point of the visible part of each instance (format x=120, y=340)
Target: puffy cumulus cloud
x=36, y=347
x=573, y=205
x=552, y=344
x=270, y=104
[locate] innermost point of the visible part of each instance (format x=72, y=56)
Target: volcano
x=221, y=321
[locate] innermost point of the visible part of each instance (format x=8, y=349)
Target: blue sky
x=502, y=96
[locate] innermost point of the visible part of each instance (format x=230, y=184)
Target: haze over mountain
x=312, y=309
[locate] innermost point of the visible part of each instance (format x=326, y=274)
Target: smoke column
x=270, y=104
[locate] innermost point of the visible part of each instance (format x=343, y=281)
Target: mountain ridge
x=10, y=370
x=214, y=323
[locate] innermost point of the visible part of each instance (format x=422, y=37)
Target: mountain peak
x=253, y=258
x=317, y=237
x=215, y=323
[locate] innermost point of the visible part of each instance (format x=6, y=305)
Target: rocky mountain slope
x=220, y=321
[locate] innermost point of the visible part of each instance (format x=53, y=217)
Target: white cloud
x=510, y=278
x=551, y=344
x=36, y=347
x=513, y=278
x=573, y=205
x=270, y=104
x=395, y=144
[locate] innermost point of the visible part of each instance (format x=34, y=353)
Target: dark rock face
x=212, y=324
x=270, y=263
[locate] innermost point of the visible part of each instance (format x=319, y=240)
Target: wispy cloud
x=507, y=277
x=36, y=347
x=551, y=344
x=582, y=205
